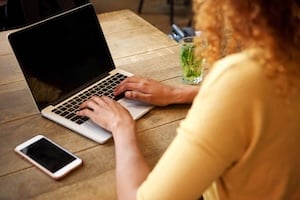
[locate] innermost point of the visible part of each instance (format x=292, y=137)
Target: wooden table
x=136, y=46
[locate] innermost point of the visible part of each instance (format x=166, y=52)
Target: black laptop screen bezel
x=62, y=54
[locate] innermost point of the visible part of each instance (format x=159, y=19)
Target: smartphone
x=48, y=156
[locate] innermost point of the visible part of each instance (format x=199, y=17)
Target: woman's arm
x=131, y=167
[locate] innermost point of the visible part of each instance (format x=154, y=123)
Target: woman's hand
x=108, y=114
x=146, y=90
x=154, y=92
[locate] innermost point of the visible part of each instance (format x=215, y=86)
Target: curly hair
x=271, y=25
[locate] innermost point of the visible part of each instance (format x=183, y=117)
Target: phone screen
x=48, y=155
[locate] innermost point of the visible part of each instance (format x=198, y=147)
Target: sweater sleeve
x=209, y=141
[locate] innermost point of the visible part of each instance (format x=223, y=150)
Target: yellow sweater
x=240, y=140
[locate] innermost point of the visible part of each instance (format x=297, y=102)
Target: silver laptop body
x=66, y=57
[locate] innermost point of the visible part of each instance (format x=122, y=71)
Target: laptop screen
x=62, y=54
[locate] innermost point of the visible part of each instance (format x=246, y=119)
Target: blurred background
x=17, y=13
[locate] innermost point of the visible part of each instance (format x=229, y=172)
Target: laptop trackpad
x=136, y=108
x=95, y=132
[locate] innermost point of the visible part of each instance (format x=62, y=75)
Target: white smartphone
x=48, y=156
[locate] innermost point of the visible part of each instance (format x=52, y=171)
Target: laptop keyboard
x=105, y=88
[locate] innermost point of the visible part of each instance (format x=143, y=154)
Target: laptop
x=65, y=60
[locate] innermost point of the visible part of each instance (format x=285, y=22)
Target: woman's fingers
x=136, y=95
x=105, y=112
